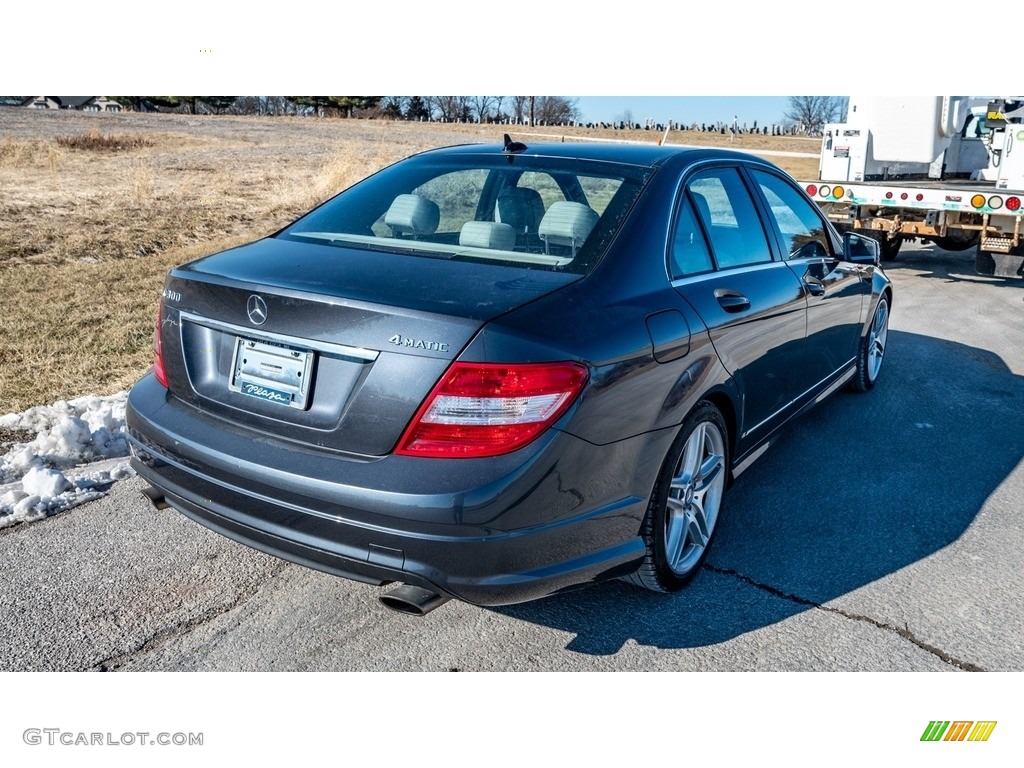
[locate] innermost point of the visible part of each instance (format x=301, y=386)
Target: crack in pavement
x=905, y=632
x=176, y=631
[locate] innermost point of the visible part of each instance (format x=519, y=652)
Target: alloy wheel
x=694, y=498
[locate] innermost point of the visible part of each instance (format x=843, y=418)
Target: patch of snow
x=79, y=449
x=44, y=482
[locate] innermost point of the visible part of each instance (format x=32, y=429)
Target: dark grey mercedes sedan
x=499, y=372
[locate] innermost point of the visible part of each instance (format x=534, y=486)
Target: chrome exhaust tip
x=412, y=601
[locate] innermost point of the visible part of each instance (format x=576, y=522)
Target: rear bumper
x=556, y=514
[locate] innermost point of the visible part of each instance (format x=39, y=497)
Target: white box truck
x=946, y=169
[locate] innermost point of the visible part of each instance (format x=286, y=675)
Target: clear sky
x=686, y=109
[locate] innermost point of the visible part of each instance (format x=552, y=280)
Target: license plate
x=271, y=372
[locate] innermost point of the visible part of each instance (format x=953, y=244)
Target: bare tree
x=552, y=110
x=450, y=108
x=218, y=105
x=247, y=105
x=261, y=105
x=520, y=108
x=279, y=105
x=549, y=110
x=485, y=107
x=812, y=112
x=625, y=117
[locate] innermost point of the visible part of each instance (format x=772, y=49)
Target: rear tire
x=686, y=503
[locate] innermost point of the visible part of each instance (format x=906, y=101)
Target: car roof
x=645, y=155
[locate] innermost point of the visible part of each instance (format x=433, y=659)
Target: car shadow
x=927, y=260
x=856, y=489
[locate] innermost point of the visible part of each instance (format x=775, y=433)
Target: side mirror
x=861, y=249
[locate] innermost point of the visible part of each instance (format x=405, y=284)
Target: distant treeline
x=549, y=110
x=805, y=114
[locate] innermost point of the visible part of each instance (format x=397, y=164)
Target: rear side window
x=690, y=254
x=730, y=219
x=802, y=229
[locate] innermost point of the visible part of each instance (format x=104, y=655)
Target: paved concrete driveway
x=882, y=533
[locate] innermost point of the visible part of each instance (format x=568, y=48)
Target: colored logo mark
x=958, y=730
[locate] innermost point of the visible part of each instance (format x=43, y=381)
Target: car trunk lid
x=324, y=346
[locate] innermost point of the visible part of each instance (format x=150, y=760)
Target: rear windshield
x=535, y=212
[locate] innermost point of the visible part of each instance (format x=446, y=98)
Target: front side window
x=730, y=219
x=802, y=229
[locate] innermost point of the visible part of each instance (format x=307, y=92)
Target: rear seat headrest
x=488, y=234
x=521, y=207
x=413, y=215
x=567, y=223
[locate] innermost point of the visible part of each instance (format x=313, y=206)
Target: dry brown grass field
x=95, y=208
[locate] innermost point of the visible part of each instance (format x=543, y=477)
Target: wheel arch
x=881, y=289
x=723, y=402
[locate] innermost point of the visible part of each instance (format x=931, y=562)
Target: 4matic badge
x=404, y=341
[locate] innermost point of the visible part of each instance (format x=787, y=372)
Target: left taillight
x=158, y=348
x=483, y=409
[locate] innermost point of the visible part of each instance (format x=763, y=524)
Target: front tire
x=686, y=503
x=872, y=348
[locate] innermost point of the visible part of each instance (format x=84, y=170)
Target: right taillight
x=484, y=409
x=158, y=348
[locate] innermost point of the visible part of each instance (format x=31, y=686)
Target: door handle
x=731, y=301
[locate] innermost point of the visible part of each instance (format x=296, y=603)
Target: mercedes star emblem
x=257, y=309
